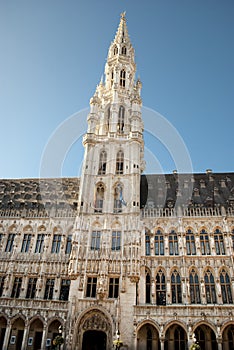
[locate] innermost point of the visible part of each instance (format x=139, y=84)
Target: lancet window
x=204, y=243
x=225, y=287
x=160, y=288
x=99, y=198
x=122, y=78
x=119, y=163
x=176, y=288
x=102, y=163
x=194, y=288
x=173, y=243
x=210, y=287
x=159, y=243
x=120, y=125
x=219, y=242
x=190, y=243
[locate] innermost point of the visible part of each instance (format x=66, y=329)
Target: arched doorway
x=228, y=338
x=17, y=334
x=148, y=338
x=94, y=331
x=53, y=331
x=94, y=340
x=35, y=334
x=206, y=338
x=176, y=338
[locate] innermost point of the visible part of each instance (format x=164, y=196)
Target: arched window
x=219, y=242
x=124, y=50
x=118, y=198
x=194, y=288
x=112, y=77
x=102, y=163
x=176, y=296
x=158, y=243
x=99, y=198
x=173, y=243
x=210, y=287
x=108, y=118
x=160, y=288
x=115, y=51
x=122, y=78
x=204, y=242
x=147, y=287
x=225, y=288
x=190, y=243
x=147, y=244
x=119, y=163
x=232, y=236
x=120, y=125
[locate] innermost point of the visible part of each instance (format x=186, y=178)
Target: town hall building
x=117, y=258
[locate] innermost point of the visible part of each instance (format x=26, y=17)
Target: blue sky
x=53, y=55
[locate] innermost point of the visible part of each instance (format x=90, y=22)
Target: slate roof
x=39, y=194
x=157, y=191
x=197, y=190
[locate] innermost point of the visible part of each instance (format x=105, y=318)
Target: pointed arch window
x=147, y=244
x=102, y=163
x=115, y=51
x=210, y=287
x=116, y=240
x=160, y=288
x=232, y=236
x=118, y=198
x=204, y=243
x=99, y=198
x=190, y=243
x=176, y=295
x=112, y=77
x=108, y=117
x=119, y=163
x=124, y=50
x=173, y=243
x=225, y=288
x=120, y=125
x=194, y=288
x=159, y=243
x=2, y=280
x=122, y=78
x=147, y=288
x=219, y=242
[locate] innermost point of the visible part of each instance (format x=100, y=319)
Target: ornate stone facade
x=117, y=253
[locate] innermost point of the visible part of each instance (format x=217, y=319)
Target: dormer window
x=122, y=78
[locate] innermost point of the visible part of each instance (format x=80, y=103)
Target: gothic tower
x=105, y=260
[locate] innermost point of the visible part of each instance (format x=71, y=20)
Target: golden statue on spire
x=123, y=14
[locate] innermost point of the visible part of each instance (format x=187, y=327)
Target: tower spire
x=122, y=36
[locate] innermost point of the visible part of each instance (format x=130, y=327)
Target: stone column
x=219, y=341
x=44, y=335
x=162, y=340
x=7, y=336
x=25, y=337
